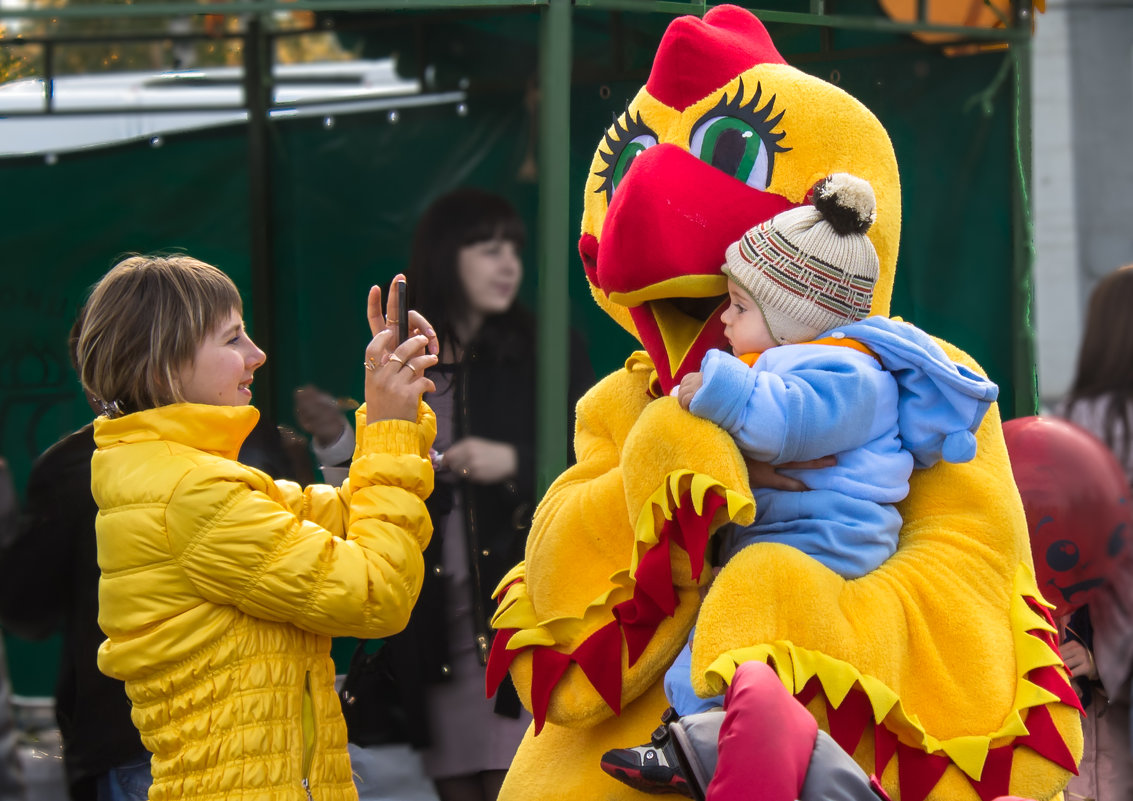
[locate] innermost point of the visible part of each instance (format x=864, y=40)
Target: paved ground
x=388, y=773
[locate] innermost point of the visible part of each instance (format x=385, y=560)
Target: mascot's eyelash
x=758, y=117
x=616, y=142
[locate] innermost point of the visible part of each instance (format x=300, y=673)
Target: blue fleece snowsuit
x=910, y=407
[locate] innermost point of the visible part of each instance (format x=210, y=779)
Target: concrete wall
x=1083, y=169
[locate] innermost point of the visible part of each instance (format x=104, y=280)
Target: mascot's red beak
x=672, y=216
x=670, y=220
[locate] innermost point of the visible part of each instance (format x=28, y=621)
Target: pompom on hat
x=812, y=268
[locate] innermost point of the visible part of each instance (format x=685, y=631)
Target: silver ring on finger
x=370, y=364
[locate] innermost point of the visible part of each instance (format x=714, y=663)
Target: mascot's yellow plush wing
x=938, y=671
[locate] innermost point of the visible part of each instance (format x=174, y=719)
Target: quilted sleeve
x=241, y=543
x=325, y=505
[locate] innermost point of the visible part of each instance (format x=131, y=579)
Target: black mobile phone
x=402, y=314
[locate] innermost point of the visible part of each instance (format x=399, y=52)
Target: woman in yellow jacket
x=221, y=588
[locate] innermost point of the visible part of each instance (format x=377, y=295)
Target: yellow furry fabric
x=616, y=421
x=561, y=763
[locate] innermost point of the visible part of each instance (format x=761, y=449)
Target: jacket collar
x=220, y=430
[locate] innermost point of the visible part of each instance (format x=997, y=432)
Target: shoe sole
x=642, y=783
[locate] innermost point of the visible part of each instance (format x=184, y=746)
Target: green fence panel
x=347, y=189
x=955, y=274
x=62, y=224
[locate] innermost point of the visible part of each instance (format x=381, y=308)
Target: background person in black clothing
x=49, y=581
x=11, y=772
x=464, y=274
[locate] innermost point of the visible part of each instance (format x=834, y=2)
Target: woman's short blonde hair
x=143, y=323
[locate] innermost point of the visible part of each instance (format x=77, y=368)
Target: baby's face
x=744, y=326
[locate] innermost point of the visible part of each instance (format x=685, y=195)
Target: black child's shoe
x=654, y=768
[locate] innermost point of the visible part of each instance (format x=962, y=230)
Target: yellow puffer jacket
x=221, y=589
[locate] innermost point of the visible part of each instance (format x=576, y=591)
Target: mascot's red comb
x=698, y=56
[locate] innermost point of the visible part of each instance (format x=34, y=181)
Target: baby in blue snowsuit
x=815, y=376
x=877, y=393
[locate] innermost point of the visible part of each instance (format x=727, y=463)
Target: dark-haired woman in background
x=1101, y=397
x=464, y=274
x=1101, y=401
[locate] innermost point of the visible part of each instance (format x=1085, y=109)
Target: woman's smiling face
x=221, y=371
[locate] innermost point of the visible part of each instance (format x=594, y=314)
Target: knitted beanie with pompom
x=812, y=268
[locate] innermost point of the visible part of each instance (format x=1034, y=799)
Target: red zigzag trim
x=918, y=772
x=635, y=621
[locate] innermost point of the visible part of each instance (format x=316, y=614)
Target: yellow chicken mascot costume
x=939, y=671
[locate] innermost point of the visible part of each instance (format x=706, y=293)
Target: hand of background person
x=762, y=475
x=395, y=374
x=298, y=457
x=688, y=387
x=482, y=461
x=317, y=413
x=1079, y=661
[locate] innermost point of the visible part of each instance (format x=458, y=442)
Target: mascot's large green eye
x=632, y=149
x=734, y=147
x=627, y=139
x=739, y=139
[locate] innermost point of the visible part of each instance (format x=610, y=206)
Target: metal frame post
x=552, y=304
x=258, y=95
x=1024, y=366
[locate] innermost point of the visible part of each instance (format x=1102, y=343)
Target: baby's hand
x=689, y=386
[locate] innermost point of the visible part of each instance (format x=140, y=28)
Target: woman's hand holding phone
x=395, y=372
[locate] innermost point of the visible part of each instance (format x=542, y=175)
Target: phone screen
x=402, y=313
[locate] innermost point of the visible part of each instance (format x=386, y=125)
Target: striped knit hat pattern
x=812, y=268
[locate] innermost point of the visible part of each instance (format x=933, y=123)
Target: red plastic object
x=1077, y=503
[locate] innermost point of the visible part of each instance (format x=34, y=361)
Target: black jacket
x=49, y=579
x=493, y=398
